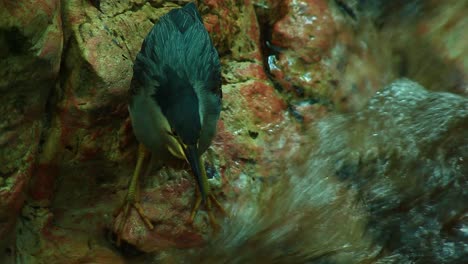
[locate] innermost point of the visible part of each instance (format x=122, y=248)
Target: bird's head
x=182, y=111
x=186, y=132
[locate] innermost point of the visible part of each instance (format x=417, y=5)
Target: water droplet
x=272, y=62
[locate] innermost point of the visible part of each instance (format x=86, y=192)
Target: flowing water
x=387, y=184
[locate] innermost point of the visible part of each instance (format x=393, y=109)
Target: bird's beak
x=198, y=168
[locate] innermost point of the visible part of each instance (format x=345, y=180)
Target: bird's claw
x=126, y=208
x=210, y=200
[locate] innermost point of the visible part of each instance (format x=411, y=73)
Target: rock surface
x=298, y=67
x=89, y=149
x=30, y=52
x=290, y=174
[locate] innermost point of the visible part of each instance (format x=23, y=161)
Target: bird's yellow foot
x=209, y=202
x=130, y=202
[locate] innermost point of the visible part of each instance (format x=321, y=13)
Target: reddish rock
x=41, y=240
x=169, y=207
x=78, y=156
x=307, y=29
x=89, y=151
x=43, y=182
x=91, y=140
x=303, y=36
x=264, y=103
x=234, y=28
x=251, y=71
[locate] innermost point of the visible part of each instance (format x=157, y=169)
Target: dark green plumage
x=176, y=91
x=180, y=106
x=179, y=62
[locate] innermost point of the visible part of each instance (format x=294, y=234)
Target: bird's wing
x=178, y=59
x=178, y=41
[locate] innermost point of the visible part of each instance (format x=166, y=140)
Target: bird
x=175, y=100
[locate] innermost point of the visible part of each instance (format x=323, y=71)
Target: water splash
x=387, y=183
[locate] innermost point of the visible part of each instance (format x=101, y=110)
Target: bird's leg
x=198, y=200
x=133, y=197
x=210, y=200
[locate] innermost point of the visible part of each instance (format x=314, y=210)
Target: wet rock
x=168, y=206
x=301, y=39
x=93, y=145
x=89, y=151
x=30, y=52
x=234, y=28
x=381, y=185
x=42, y=241
x=306, y=29
x=294, y=188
